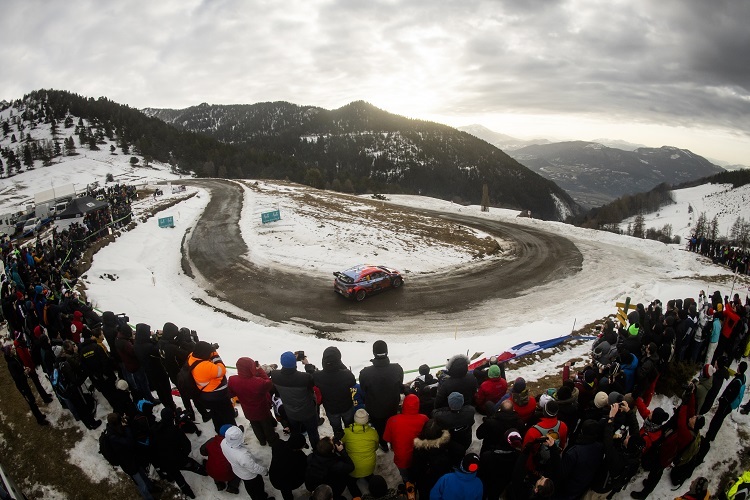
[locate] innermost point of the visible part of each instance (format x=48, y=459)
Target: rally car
x=360, y=281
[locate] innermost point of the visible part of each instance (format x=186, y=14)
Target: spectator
x=288, y=465
x=147, y=352
x=216, y=464
x=462, y=483
x=729, y=400
x=496, y=466
x=127, y=454
x=492, y=431
x=209, y=374
x=18, y=372
x=523, y=403
x=335, y=381
x=401, y=430
x=328, y=464
x=172, y=451
x=458, y=379
x=252, y=386
x=580, y=461
x=361, y=442
x=244, y=465
x=296, y=391
x=458, y=419
x=381, y=386
x=490, y=391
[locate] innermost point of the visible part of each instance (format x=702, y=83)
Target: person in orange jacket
x=209, y=374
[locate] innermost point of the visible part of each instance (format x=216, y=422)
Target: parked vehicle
x=31, y=227
x=360, y=281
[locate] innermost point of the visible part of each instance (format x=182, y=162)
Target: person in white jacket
x=244, y=465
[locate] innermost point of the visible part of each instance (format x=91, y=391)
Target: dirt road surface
x=215, y=249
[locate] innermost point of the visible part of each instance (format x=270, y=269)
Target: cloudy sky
x=673, y=72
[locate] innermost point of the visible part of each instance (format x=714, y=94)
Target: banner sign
x=166, y=221
x=270, y=216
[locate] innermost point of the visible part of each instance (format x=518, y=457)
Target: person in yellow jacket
x=361, y=441
x=209, y=374
x=741, y=488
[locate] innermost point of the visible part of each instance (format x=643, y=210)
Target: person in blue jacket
x=628, y=365
x=461, y=483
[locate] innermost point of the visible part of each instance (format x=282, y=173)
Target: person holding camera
x=296, y=391
x=335, y=381
x=328, y=464
x=209, y=374
x=147, y=351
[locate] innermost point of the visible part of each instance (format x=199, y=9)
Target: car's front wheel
x=397, y=282
x=360, y=295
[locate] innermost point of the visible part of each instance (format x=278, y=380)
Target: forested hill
x=357, y=148
x=379, y=151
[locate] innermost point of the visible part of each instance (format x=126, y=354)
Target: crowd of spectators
x=587, y=437
x=734, y=257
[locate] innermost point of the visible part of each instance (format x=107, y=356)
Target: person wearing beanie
x=424, y=380
x=288, y=465
x=523, y=402
x=434, y=455
x=172, y=452
x=97, y=365
x=458, y=379
x=132, y=370
x=361, y=441
x=329, y=464
x=687, y=425
x=490, y=391
x=496, y=466
x=729, y=400
x=584, y=382
x=173, y=357
x=244, y=464
x=651, y=430
x=647, y=374
x=461, y=483
x=295, y=389
x=548, y=425
x=400, y=431
x=209, y=374
x=705, y=382
x=128, y=454
x=252, y=387
x=381, y=385
x=216, y=464
x=335, y=380
x=458, y=419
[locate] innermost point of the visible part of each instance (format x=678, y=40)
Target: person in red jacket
x=548, y=425
x=523, y=403
x=400, y=431
x=217, y=466
x=727, y=327
x=688, y=424
x=491, y=391
x=252, y=386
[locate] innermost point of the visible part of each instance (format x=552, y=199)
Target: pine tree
x=348, y=187
x=28, y=159
x=485, y=198
x=701, y=225
x=713, y=231
x=639, y=226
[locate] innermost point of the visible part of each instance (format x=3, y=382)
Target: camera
x=300, y=355
x=215, y=346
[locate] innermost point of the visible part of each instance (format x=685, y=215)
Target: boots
x=187, y=491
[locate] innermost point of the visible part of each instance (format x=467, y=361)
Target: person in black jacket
x=730, y=394
x=67, y=384
x=109, y=327
x=458, y=379
x=496, y=466
x=172, y=452
x=149, y=358
x=434, y=455
x=131, y=462
x=97, y=365
x=19, y=376
x=381, y=386
x=458, y=419
x=580, y=461
x=492, y=431
x=296, y=391
x=288, y=465
x=328, y=464
x=335, y=381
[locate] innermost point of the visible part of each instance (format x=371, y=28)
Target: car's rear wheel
x=397, y=282
x=360, y=295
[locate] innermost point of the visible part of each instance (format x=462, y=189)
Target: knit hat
x=297, y=441
x=57, y=350
x=514, y=438
x=288, y=360
x=361, y=416
x=493, y=372
x=614, y=397
x=122, y=385
x=708, y=370
x=380, y=349
x=167, y=414
x=455, y=401
x=659, y=416
x=544, y=399
x=564, y=393
x=113, y=419
x=550, y=409
x=203, y=350
x=224, y=429
x=589, y=375
x=424, y=370
x=519, y=385
x=470, y=463
x=601, y=399
x=378, y=486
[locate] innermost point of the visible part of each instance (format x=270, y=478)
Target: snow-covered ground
x=150, y=286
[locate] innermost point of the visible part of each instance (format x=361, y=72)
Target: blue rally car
x=360, y=281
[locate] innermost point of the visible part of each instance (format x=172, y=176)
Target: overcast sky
x=673, y=72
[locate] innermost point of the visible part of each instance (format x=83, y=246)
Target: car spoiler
x=343, y=277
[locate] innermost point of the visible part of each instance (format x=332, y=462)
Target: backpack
x=688, y=452
x=542, y=455
x=60, y=382
x=186, y=383
x=107, y=450
x=736, y=402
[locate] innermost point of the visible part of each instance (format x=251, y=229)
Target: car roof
x=357, y=271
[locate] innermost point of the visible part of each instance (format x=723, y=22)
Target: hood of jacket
x=142, y=333
x=427, y=444
x=109, y=318
x=169, y=332
x=234, y=437
x=457, y=366
x=332, y=359
x=78, y=315
x=411, y=405
x=246, y=367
